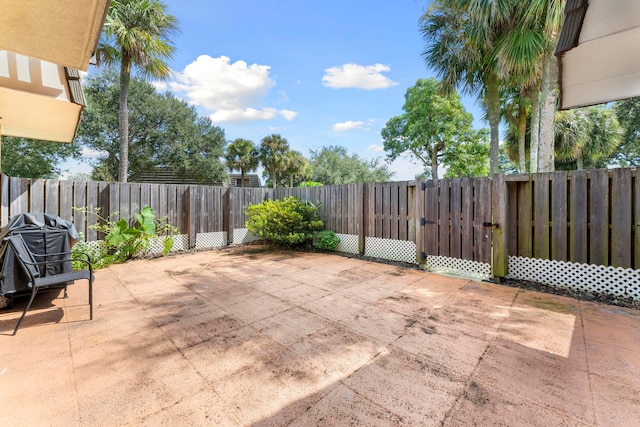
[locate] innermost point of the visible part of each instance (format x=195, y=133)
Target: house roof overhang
x=598, y=52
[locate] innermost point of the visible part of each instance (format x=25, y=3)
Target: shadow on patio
x=250, y=336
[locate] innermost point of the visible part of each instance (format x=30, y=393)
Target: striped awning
x=39, y=99
x=64, y=32
x=42, y=45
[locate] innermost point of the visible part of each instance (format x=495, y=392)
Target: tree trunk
x=123, y=117
x=434, y=164
x=492, y=100
x=549, y=95
x=580, y=161
x=522, y=130
x=535, y=130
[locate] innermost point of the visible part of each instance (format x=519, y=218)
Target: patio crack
x=586, y=357
x=73, y=372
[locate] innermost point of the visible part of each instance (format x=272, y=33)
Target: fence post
x=364, y=188
x=415, y=197
x=228, y=213
x=499, y=261
x=190, y=219
x=4, y=194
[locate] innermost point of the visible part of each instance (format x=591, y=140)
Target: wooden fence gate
x=455, y=221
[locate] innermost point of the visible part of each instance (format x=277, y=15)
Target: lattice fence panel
x=348, y=243
x=457, y=266
x=395, y=250
x=211, y=240
x=180, y=243
x=242, y=235
x=616, y=281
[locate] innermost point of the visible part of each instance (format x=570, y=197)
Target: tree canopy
x=436, y=129
x=628, y=112
x=164, y=132
x=29, y=158
x=586, y=138
x=334, y=165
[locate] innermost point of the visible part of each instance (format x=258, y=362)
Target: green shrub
x=289, y=222
x=326, y=240
x=310, y=184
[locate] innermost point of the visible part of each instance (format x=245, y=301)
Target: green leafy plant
x=122, y=241
x=310, y=184
x=98, y=253
x=289, y=222
x=326, y=240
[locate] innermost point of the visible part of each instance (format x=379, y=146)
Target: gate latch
x=491, y=224
x=424, y=221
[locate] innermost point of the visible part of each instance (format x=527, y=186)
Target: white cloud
x=283, y=96
x=232, y=91
x=83, y=77
x=347, y=126
x=405, y=169
x=89, y=153
x=358, y=76
x=375, y=148
x=251, y=114
x=161, y=86
x=288, y=114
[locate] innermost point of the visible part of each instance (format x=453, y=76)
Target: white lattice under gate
x=457, y=266
x=211, y=240
x=395, y=250
x=242, y=235
x=619, y=282
x=348, y=243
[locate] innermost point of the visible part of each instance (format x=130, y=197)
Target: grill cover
x=44, y=234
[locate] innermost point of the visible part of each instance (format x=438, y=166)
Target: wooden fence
x=587, y=217
x=580, y=216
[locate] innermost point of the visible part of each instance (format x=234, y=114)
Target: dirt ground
x=251, y=336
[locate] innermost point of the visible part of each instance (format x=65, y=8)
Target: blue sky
x=316, y=72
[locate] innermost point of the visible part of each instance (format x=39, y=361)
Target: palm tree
x=526, y=54
x=462, y=38
x=273, y=155
x=515, y=112
x=586, y=137
x=136, y=34
x=297, y=167
x=484, y=45
x=242, y=155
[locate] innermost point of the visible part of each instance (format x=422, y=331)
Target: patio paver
x=249, y=336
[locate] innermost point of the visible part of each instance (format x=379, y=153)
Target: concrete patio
x=248, y=336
